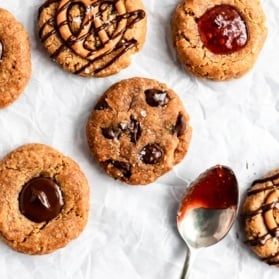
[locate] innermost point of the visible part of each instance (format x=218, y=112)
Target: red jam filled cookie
x=218, y=40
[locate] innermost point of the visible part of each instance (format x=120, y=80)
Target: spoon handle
x=190, y=257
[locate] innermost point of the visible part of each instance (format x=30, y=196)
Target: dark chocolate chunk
x=152, y=154
x=156, y=98
x=180, y=125
x=1, y=50
x=124, y=167
x=134, y=130
x=111, y=133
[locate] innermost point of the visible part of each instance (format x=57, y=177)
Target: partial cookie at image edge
x=15, y=58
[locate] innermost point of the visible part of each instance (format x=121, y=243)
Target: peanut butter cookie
x=15, y=58
x=44, y=199
x=218, y=39
x=261, y=213
x=138, y=130
x=92, y=37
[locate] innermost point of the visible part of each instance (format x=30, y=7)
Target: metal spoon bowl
x=204, y=226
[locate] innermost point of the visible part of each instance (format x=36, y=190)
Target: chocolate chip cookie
x=138, y=130
x=44, y=199
x=92, y=37
x=15, y=58
x=218, y=39
x=261, y=213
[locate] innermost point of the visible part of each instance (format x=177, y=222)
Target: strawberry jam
x=216, y=188
x=223, y=30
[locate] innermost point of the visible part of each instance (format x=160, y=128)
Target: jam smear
x=223, y=30
x=102, y=104
x=216, y=188
x=40, y=199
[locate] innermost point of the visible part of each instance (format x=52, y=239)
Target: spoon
x=207, y=211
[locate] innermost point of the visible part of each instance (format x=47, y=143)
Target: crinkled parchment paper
x=131, y=232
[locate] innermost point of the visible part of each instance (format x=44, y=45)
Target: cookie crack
x=187, y=40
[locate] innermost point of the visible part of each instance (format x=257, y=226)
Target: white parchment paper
x=131, y=232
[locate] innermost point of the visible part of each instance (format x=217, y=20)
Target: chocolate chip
x=152, y=154
x=124, y=167
x=180, y=125
x=102, y=104
x=156, y=98
x=111, y=133
x=134, y=130
x=1, y=50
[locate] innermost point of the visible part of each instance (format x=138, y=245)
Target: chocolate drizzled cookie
x=261, y=213
x=92, y=38
x=138, y=130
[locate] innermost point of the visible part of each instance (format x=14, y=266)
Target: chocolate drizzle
x=261, y=240
x=266, y=179
x=274, y=205
x=120, y=45
x=264, y=208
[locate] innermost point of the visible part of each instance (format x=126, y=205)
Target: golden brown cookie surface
x=217, y=39
x=44, y=199
x=92, y=38
x=138, y=130
x=15, y=58
x=261, y=213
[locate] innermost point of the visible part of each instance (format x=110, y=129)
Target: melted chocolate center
x=223, y=30
x=40, y=199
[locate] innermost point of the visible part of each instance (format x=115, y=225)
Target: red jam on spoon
x=223, y=30
x=216, y=188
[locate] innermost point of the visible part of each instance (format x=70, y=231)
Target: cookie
x=43, y=199
x=92, y=37
x=138, y=130
x=15, y=58
x=218, y=39
x=261, y=217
